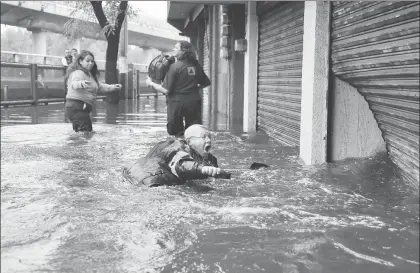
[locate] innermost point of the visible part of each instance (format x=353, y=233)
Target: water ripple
x=66, y=208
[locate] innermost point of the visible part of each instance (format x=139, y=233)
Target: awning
x=181, y=13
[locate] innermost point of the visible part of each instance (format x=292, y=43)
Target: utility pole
x=123, y=62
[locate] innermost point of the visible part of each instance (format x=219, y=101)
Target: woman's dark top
x=182, y=80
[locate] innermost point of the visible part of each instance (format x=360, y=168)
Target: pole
x=132, y=79
x=123, y=63
x=34, y=83
x=6, y=88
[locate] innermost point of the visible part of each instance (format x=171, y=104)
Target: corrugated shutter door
x=280, y=72
x=375, y=47
x=200, y=41
x=206, y=68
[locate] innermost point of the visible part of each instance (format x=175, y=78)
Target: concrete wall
x=315, y=73
x=250, y=69
x=214, y=60
x=228, y=75
x=229, y=86
x=353, y=131
x=220, y=77
x=223, y=87
x=237, y=70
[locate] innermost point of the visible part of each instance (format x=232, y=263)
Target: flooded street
x=65, y=207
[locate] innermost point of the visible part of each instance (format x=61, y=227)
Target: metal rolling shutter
x=200, y=39
x=206, y=67
x=280, y=72
x=375, y=47
x=206, y=51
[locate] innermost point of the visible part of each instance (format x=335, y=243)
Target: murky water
x=66, y=208
x=145, y=111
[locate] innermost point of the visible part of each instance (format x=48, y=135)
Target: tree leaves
x=83, y=13
x=108, y=30
x=72, y=29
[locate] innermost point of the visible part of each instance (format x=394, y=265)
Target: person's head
x=184, y=50
x=67, y=52
x=74, y=51
x=85, y=61
x=198, y=138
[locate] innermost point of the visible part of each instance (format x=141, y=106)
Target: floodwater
x=66, y=208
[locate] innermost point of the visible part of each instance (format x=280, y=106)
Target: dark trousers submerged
x=178, y=110
x=78, y=113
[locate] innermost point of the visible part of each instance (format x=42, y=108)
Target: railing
x=21, y=57
x=24, y=84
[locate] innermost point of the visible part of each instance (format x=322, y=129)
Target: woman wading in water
x=83, y=86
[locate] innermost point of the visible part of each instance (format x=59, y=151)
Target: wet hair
x=187, y=51
x=75, y=65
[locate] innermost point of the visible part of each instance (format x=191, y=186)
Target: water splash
x=64, y=194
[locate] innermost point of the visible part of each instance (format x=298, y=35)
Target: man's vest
x=170, y=162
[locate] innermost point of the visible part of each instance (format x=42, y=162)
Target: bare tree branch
x=121, y=14
x=109, y=14
x=99, y=13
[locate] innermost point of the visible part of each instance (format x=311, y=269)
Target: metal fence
x=24, y=83
x=21, y=57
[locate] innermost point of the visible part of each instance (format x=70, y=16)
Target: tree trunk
x=111, y=73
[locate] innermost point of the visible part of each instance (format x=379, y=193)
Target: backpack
x=159, y=66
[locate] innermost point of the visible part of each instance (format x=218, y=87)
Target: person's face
x=87, y=63
x=176, y=50
x=201, y=142
x=73, y=52
x=67, y=52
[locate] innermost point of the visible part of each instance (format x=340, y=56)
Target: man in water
x=176, y=160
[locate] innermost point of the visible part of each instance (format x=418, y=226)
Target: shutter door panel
x=375, y=47
x=200, y=49
x=206, y=68
x=280, y=72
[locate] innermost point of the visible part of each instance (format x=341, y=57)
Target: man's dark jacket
x=170, y=162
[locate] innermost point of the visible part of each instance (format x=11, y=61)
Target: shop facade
x=335, y=79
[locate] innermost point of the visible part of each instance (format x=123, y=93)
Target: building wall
x=223, y=79
x=236, y=66
x=354, y=131
x=250, y=69
x=227, y=78
x=214, y=61
x=226, y=93
x=375, y=48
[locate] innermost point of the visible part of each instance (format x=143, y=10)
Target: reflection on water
x=66, y=208
x=146, y=110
